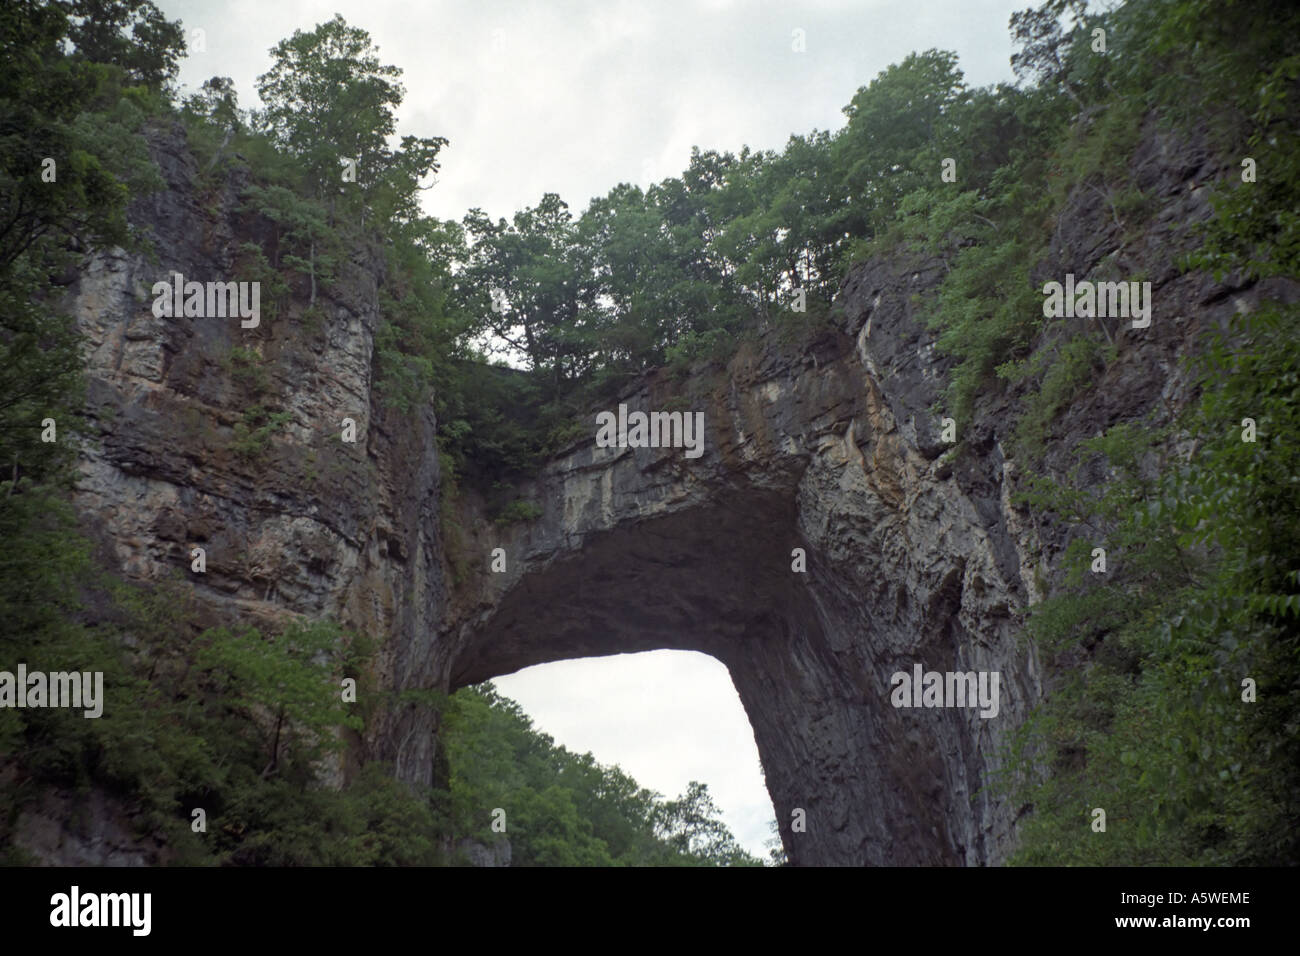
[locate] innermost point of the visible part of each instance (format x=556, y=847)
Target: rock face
x=643, y=548
x=908, y=553
x=297, y=521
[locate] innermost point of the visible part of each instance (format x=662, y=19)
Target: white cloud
x=575, y=97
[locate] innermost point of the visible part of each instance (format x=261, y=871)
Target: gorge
x=912, y=554
x=854, y=447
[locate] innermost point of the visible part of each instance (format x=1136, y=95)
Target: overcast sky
x=576, y=97
x=665, y=717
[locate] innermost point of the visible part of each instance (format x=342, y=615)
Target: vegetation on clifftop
x=1145, y=715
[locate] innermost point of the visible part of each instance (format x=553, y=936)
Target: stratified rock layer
x=914, y=553
x=299, y=521
x=644, y=548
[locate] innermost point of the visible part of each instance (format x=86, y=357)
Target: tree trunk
x=275, y=746
x=221, y=149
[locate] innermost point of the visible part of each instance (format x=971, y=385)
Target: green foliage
x=66, y=117
x=64, y=100
x=690, y=825
x=131, y=35
x=565, y=809
x=686, y=269
x=1152, y=726
x=714, y=345
x=235, y=722
x=238, y=721
x=1144, y=715
x=251, y=261
x=420, y=340
x=330, y=101
x=304, y=239
x=245, y=367
x=216, y=104
x=252, y=434
x=1070, y=368
x=891, y=145
x=281, y=676
x=519, y=510
x=1148, y=717
x=987, y=313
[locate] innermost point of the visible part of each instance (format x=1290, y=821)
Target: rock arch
x=639, y=549
x=831, y=446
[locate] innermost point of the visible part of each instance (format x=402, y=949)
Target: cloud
x=575, y=97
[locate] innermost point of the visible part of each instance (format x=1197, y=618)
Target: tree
x=1041, y=57
x=329, y=101
x=891, y=143
x=69, y=157
x=534, y=286
x=692, y=826
x=218, y=103
x=292, y=679
x=564, y=808
x=805, y=201
x=130, y=34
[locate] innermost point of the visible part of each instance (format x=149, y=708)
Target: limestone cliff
x=915, y=554
x=308, y=523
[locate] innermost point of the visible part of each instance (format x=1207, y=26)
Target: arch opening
x=665, y=718
x=718, y=580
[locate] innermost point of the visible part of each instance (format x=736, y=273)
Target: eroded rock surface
x=299, y=522
x=643, y=548
x=913, y=554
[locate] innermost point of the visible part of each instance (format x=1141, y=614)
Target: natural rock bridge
x=831, y=447
x=913, y=555
x=641, y=548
